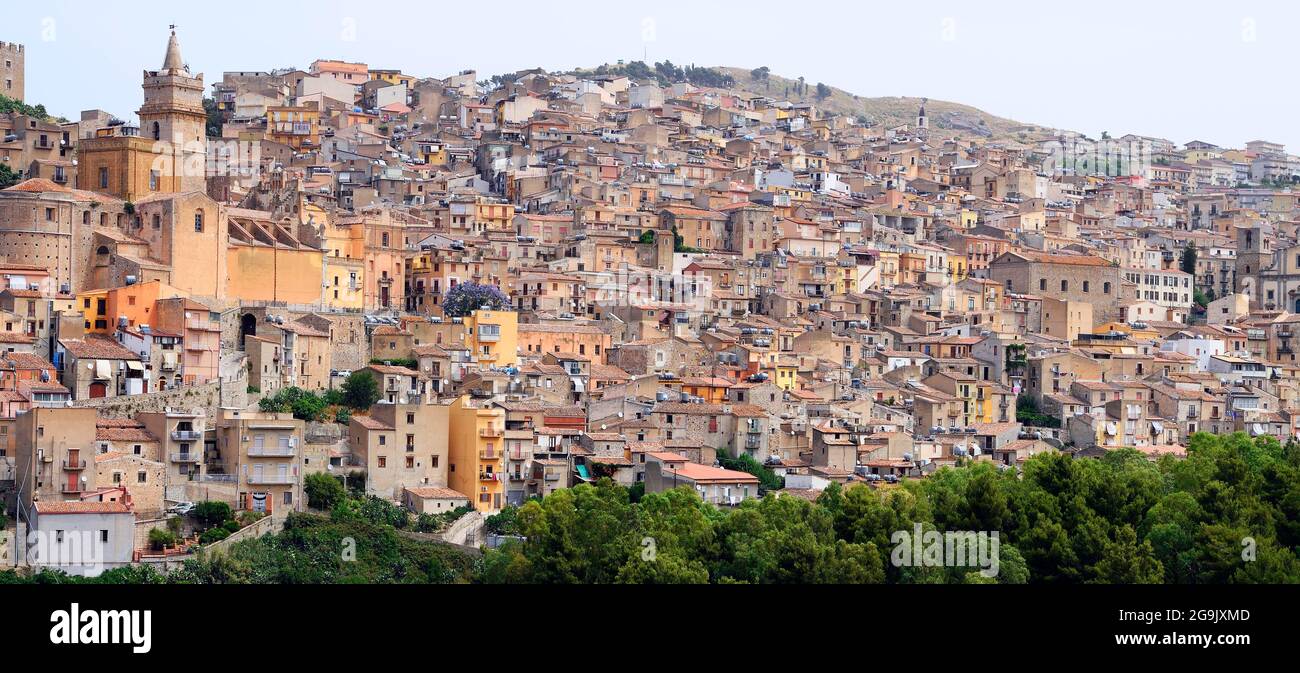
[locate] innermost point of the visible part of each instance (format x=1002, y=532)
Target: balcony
x=490, y=432
x=187, y=435
x=493, y=455
x=74, y=464
x=70, y=489
x=489, y=338
x=272, y=479
x=518, y=454
x=187, y=457
x=271, y=452
x=489, y=476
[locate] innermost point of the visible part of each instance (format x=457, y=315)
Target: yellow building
x=394, y=77
x=493, y=338
x=266, y=262
x=476, y=443
x=297, y=127
x=787, y=376
x=343, y=275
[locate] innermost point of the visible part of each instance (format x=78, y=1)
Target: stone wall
x=349, y=342
x=209, y=397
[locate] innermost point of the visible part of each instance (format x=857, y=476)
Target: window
x=1086, y=285
x=153, y=181
x=141, y=477
x=383, y=462
x=198, y=221
x=1065, y=286
x=103, y=177
x=1042, y=284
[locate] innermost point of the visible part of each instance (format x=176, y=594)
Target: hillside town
x=459, y=293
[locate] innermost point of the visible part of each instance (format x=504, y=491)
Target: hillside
x=887, y=111
x=956, y=118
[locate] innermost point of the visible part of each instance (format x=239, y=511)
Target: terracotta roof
x=47, y=507
x=97, y=348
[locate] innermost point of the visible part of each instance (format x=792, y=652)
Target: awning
x=103, y=370
x=578, y=386
x=1157, y=426
x=169, y=359
x=134, y=366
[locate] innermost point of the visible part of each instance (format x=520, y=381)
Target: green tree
x=8, y=177
x=823, y=91
x=1188, y=262
x=211, y=513
x=360, y=391
x=323, y=490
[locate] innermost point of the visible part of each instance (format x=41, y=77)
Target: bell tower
x=173, y=113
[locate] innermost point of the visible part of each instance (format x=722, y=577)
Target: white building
x=83, y=538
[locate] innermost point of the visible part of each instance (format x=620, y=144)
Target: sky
x=1188, y=70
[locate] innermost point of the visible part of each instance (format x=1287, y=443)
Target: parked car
x=181, y=508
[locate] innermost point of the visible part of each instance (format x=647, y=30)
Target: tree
x=1188, y=264
x=823, y=91
x=323, y=490
x=467, y=298
x=8, y=177
x=360, y=391
x=212, y=513
x=213, y=126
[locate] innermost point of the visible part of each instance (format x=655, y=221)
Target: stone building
x=13, y=61
x=1081, y=278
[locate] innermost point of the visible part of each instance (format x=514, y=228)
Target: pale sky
x=1190, y=70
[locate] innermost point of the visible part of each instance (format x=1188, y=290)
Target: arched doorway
x=98, y=389
x=247, y=327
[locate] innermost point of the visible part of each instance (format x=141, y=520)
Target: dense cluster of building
x=692, y=275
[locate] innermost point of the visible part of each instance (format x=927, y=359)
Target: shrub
x=214, y=535
x=504, y=523
x=160, y=539
x=231, y=526
x=212, y=513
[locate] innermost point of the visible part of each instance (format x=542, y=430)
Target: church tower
x=167, y=153
x=173, y=113
x=922, y=120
